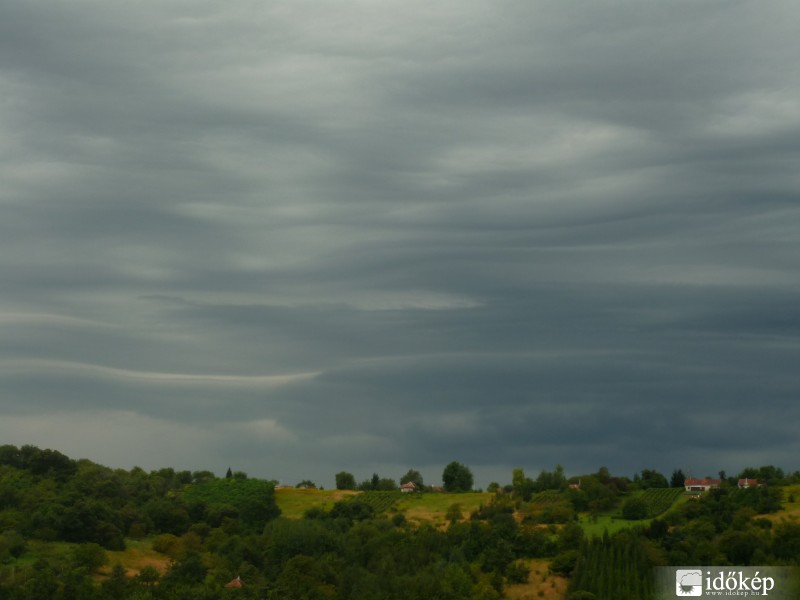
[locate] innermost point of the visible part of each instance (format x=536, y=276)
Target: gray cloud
x=303, y=238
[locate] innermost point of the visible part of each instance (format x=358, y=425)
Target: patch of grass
x=425, y=507
x=595, y=527
x=541, y=584
x=613, y=520
x=432, y=507
x=789, y=510
x=295, y=502
x=137, y=554
x=52, y=552
x=429, y=507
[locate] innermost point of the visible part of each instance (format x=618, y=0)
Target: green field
x=660, y=500
x=548, y=497
x=137, y=554
x=380, y=502
x=612, y=521
x=790, y=510
x=295, y=502
x=595, y=527
x=430, y=507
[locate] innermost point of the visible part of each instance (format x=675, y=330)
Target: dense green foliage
x=251, y=500
x=616, y=567
x=722, y=527
x=214, y=530
x=457, y=477
x=345, y=481
x=59, y=520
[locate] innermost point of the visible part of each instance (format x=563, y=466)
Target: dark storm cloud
x=374, y=236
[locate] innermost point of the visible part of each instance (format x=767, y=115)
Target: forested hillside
x=78, y=530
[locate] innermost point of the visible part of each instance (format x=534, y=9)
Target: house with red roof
x=700, y=485
x=748, y=483
x=408, y=487
x=235, y=583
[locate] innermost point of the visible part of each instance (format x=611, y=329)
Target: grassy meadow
x=427, y=507
x=295, y=502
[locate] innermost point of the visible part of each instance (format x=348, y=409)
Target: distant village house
x=748, y=483
x=701, y=485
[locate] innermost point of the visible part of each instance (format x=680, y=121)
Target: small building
x=408, y=487
x=235, y=583
x=701, y=485
x=748, y=483
x=437, y=488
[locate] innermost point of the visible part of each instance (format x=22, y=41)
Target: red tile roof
x=235, y=583
x=701, y=482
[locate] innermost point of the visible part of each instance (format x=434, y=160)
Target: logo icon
x=688, y=583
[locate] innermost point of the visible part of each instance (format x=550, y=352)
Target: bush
x=12, y=545
x=517, y=572
x=91, y=556
x=166, y=544
x=564, y=563
x=634, y=509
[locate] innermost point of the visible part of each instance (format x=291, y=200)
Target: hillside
x=430, y=507
x=73, y=529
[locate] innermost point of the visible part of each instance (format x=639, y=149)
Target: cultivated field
x=432, y=507
x=294, y=502
x=426, y=507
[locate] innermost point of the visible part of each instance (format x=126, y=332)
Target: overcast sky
x=302, y=237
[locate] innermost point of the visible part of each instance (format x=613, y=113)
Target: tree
x=345, y=481
x=386, y=485
x=634, y=509
x=546, y=480
x=90, y=556
x=678, y=478
x=307, y=484
x=414, y=477
x=457, y=478
x=523, y=486
x=652, y=479
x=229, y=474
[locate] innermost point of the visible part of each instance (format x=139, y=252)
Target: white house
x=700, y=485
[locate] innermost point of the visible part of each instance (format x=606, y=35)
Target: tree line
x=215, y=530
x=456, y=477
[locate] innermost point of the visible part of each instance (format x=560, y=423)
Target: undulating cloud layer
x=302, y=237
